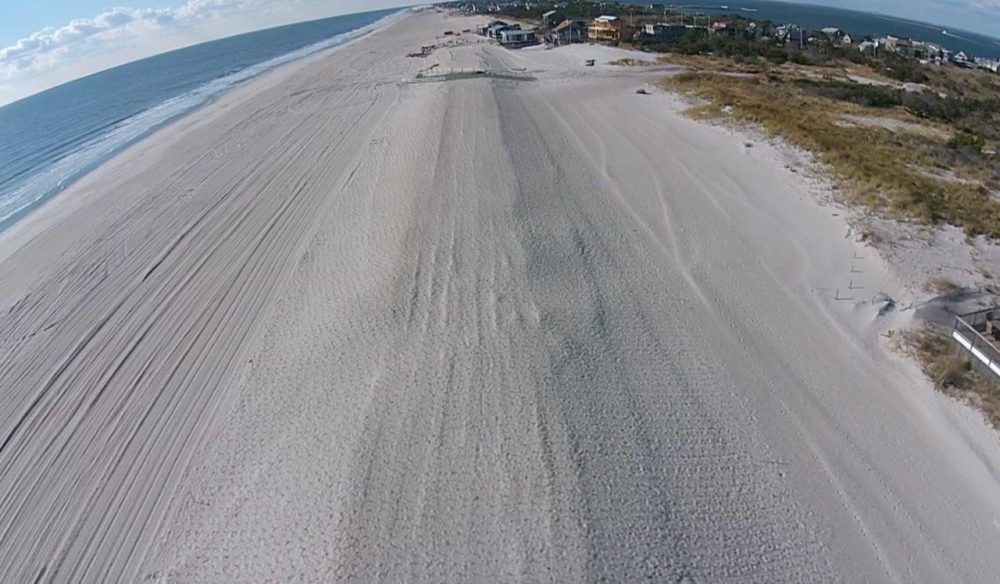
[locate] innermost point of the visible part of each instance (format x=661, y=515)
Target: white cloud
x=56, y=55
x=42, y=50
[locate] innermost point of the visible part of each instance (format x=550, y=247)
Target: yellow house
x=605, y=29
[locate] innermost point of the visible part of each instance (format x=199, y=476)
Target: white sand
x=335, y=327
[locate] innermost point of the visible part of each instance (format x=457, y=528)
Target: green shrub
x=962, y=140
x=870, y=95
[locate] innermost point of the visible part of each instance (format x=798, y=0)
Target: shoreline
x=470, y=330
x=283, y=60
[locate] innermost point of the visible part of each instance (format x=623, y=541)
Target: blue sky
x=47, y=42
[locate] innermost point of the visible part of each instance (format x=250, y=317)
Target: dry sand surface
x=341, y=327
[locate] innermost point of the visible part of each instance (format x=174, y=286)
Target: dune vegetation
x=952, y=371
x=915, y=155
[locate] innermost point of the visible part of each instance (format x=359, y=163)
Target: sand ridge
x=338, y=327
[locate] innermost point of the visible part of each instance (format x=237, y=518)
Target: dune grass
x=951, y=371
x=889, y=171
x=627, y=62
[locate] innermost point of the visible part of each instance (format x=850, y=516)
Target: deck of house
x=979, y=333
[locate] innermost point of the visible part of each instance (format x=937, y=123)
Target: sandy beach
x=346, y=324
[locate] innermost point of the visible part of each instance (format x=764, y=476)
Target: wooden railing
x=967, y=334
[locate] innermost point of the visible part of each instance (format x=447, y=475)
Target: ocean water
x=854, y=22
x=52, y=138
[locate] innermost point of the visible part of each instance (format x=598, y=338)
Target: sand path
x=338, y=327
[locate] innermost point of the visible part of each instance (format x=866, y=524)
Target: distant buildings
x=791, y=35
x=722, y=29
x=605, y=29
x=612, y=30
x=988, y=64
x=926, y=53
x=663, y=32
x=945, y=55
x=907, y=47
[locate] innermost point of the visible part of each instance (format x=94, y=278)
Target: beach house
x=868, y=47
x=495, y=30
x=792, y=35
x=837, y=36
x=485, y=29
x=569, y=31
x=514, y=38
x=552, y=18
x=605, y=29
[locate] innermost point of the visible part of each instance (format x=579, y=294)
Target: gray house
x=552, y=18
x=569, y=31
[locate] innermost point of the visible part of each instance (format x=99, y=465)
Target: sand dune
x=339, y=326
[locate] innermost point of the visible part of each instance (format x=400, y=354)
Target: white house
x=988, y=64
x=868, y=47
x=517, y=38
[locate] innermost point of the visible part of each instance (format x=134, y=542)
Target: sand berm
x=339, y=326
